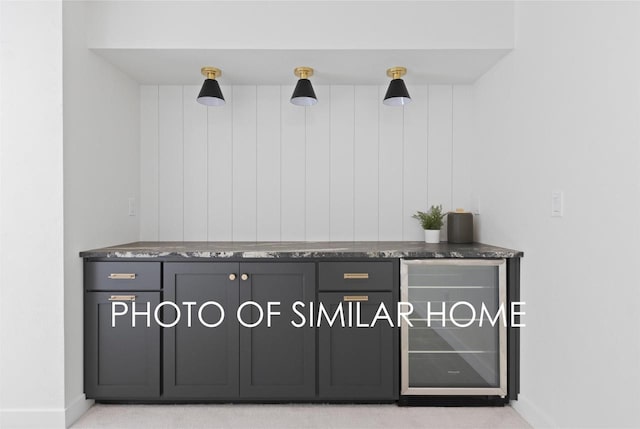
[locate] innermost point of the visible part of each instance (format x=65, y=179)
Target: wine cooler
x=457, y=342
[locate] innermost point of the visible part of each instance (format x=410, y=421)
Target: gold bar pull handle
x=122, y=298
x=122, y=276
x=355, y=298
x=352, y=276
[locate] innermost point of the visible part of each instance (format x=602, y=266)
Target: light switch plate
x=132, y=206
x=557, y=203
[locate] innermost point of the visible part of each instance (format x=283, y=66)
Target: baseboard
x=532, y=413
x=26, y=418
x=77, y=408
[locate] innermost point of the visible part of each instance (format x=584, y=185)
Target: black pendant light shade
x=210, y=94
x=303, y=94
x=397, y=94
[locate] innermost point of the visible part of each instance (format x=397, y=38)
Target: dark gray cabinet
x=121, y=362
x=277, y=362
x=231, y=361
x=356, y=362
x=201, y=362
x=281, y=362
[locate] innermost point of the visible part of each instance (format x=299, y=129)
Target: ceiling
x=275, y=67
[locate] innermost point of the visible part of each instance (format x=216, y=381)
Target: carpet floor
x=296, y=416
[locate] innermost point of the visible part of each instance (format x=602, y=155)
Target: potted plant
x=431, y=222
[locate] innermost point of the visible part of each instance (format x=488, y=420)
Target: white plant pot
x=432, y=236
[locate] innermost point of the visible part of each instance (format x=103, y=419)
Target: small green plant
x=431, y=219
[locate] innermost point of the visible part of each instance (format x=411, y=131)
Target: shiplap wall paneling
x=318, y=164
x=462, y=181
x=244, y=163
x=415, y=174
x=260, y=168
x=170, y=163
x=268, y=163
x=195, y=162
x=439, y=156
x=342, y=157
x=220, y=170
x=390, y=180
x=293, y=201
x=148, y=204
x=366, y=163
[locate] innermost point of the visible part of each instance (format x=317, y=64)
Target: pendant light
x=303, y=94
x=397, y=94
x=210, y=94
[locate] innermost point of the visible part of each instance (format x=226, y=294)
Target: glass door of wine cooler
x=454, y=347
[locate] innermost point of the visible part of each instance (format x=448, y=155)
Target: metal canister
x=460, y=227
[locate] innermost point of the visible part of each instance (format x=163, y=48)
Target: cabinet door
x=356, y=362
x=201, y=362
x=277, y=362
x=121, y=362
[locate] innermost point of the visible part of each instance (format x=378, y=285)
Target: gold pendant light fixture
x=210, y=94
x=303, y=94
x=397, y=94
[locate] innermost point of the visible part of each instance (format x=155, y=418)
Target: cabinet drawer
x=355, y=276
x=122, y=276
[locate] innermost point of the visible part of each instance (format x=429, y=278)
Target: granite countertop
x=298, y=249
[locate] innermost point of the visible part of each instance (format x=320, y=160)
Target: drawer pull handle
x=352, y=276
x=122, y=276
x=356, y=298
x=453, y=372
x=122, y=298
x=244, y=277
x=232, y=276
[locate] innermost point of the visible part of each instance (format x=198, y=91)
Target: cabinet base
x=404, y=401
x=452, y=401
x=243, y=401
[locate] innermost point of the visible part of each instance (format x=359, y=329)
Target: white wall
x=259, y=168
x=31, y=216
x=101, y=171
x=562, y=112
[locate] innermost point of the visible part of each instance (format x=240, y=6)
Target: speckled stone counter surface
x=298, y=249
